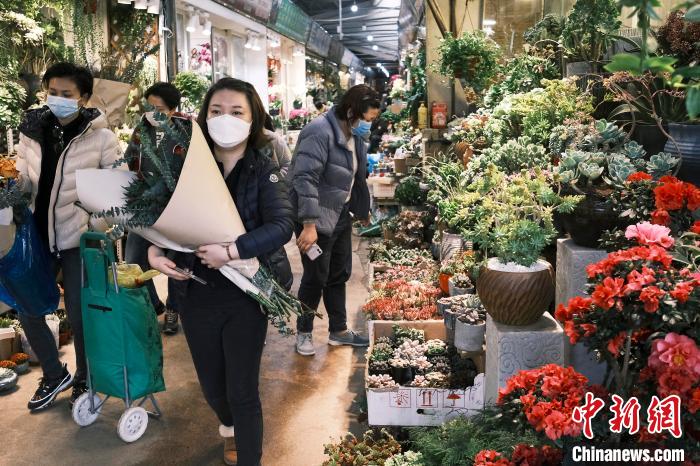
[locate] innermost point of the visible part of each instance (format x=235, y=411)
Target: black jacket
x=263, y=204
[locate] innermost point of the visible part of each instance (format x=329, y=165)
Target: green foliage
x=548, y=28
x=588, y=29
x=534, y=114
x=596, y=136
x=408, y=192
x=415, y=63
x=193, y=88
x=522, y=73
x=373, y=449
x=511, y=157
x=472, y=57
x=509, y=217
x=12, y=97
x=457, y=442
x=443, y=175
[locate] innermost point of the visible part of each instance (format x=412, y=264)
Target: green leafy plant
x=193, y=88
x=509, y=217
x=548, y=28
x=409, y=193
x=511, y=157
x=12, y=97
x=588, y=30
x=523, y=73
x=472, y=57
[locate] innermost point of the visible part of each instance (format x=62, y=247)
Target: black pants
x=327, y=275
x=136, y=252
x=38, y=333
x=226, y=343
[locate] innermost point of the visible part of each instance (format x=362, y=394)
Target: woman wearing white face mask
x=225, y=328
x=55, y=141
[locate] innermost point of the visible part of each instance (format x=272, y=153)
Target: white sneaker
x=305, y=344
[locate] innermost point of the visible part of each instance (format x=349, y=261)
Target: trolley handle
x=105, y=250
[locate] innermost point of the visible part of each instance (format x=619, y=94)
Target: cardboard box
x=409, y=406
x=7, y=342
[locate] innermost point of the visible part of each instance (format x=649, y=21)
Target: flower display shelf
x=412, y=406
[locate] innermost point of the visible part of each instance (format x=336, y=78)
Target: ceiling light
x=124, y=2
x=140, y=4
x=489, y=22
x=153, y=7
x=206, y=30
x=374, y=47
x=370, y=38
x=193, y=23
x=364, y=27
x=353, y=8
x=256, y=45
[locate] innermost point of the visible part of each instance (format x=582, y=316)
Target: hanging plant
x=471, y=58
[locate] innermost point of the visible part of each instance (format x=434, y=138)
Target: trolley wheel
x=81, y=409
x=132, y=424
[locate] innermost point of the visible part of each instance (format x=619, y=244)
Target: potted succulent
x=597, y=175
x=8, y=379
x=401, y=370
x=510, y=217
x=409, y=194
x=470, y=324
x=381, y=382
x=7, y=336
x=22, y=362
x=460, y=284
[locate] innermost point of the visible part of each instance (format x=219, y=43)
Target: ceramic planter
x=687, y=144
x=456, y=291
x=449, y=318
x=650, y=137
x=450, y=245
x=22, y=368
x=516, y=295
x=469, y=337
x=589, y=220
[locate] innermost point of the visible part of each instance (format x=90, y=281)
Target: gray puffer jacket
x=321, y=174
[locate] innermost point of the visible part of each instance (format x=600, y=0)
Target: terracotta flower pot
x=516, y=296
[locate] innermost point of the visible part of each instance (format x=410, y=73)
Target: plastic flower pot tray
x=409, y=406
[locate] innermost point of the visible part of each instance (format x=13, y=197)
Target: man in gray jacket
x=328, y=187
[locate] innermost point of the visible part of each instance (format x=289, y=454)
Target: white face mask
x=228, y=131
x=62, y=107
x=151, y=117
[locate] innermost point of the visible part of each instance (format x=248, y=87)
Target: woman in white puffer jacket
x=55, y=141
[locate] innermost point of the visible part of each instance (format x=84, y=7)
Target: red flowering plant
x=666, y=201
x=546, y=398
x=523, y=455
x=402, y=300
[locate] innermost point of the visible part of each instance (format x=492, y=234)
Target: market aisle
x=306, y=402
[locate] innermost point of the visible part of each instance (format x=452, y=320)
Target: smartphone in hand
x=314, y=252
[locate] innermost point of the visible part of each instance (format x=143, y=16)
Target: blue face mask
x=62, y=107
x=362, y=129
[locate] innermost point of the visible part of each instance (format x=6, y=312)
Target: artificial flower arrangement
x=642, y=319
x=407, y=359
x=402, y=300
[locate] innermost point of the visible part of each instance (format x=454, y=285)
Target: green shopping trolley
x=123, y=348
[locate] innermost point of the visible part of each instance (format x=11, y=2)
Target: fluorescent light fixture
x=374, y=47
x=140, y=4
x=489, y=22
x=370, y=38
x=124, y=2
x=353, y=8
x=364, y=27
x=153, y=7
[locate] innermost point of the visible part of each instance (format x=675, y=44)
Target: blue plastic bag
x=27, y=281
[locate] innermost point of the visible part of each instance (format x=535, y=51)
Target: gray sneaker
x=348, y=337
x=305, y=344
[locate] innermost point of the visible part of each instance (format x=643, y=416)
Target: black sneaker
x=170, y=324
x=49, y=389
x=78, y=389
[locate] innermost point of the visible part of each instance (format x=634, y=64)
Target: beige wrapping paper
x=111, y=97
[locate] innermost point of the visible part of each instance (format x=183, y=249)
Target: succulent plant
x=402, y=333
x=661, y=164
x=462, y=281
x=381, y=381
x=377, y=366
x=399, y=362
x=436, y=379
x=436, y=347
x=6, y=373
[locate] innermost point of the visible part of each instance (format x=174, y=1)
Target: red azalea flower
x=670, y=196
x=675, y=382
x=526, y=455
x=694, y=401
x=605, y=293
x=615, y=345
x=636, y=280
x=589, y=329
x=490, y=458
x=692, y=194
x=650, y=297
x=571, y=331
x=696, y=227
x=660, y=217
x=682, y=291
x=668, y=179
x=638, y=176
